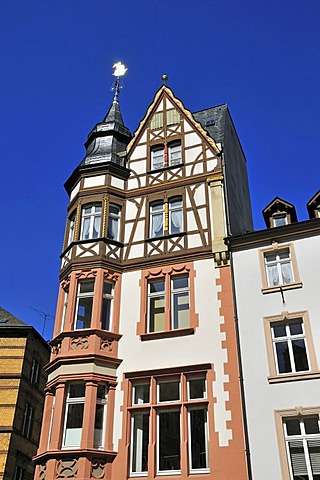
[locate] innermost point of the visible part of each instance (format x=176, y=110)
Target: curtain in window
x=96, y=226
x=176, y=219
x=286, y=270
x=85, y=228
x=273, y=275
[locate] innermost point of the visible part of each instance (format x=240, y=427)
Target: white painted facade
x=263, y=398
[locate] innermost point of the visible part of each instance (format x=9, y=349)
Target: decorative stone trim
x=67, y=468
x=98, y=468
x=79, y=343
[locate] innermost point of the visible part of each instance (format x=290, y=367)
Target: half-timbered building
x=144, y=375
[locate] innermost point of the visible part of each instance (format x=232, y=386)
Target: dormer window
x=166, y=155
x=279, y=213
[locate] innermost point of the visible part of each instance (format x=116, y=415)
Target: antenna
x=44, y=315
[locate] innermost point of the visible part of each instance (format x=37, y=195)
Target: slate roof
x=12, y=321
x=213, y=120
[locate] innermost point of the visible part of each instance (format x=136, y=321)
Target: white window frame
x=175, y=209
x=72, y=223
x=71, y=401
x=288, y=338
x=157, y=157
x=114, y=216
x=174, y=148
x=278, y=262
x=110, y=297
x=81, y=295
x=138, y=445
x=303, y=438
x=167, y=410
x=204, y=469
x=279, y=216
x=64, y=309
x=154, y=212
x=178, y=291
x=92, y=215
x=102, y=401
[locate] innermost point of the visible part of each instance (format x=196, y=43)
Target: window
x=65, y=305
x=302, y=439
x=289, y=345
x=27, y=421
x=166, y=155
x=280, y=219
x=84, y=304
x=99, y=421
x=19, y=473
x=113, y=222
x=290, y=349
x=91, y=221
x=71, y=228
x=178, y=303
x=74, y=415
x=107, y=301
x=160, y=406
x=175, y=215
x=279, y=268
x=166, y=218
x=156, y=219
x=35, y=372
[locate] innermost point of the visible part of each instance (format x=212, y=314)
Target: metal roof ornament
x=119, y=70
x=164, y=79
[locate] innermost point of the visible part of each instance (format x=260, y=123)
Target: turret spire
x=108, y=140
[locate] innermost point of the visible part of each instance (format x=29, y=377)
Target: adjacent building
x=277, y=309
x=143, y=379
x=23, y=354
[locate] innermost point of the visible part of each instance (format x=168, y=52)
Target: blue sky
x=260, y=57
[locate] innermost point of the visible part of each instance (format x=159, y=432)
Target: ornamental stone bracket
x=221, y=259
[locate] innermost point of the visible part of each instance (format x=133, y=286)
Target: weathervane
x=119, y=70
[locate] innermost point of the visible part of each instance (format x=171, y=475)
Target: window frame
x=280, y=417
x=92, y=216
x=156, y=213
x=27, y=423
x=184, y=405
x=72, y=401
x=35, y=372
x=166, y=210
x=287, y=317
x=110, y=297
x=278, y=215
x=275, y=249
x=117, y=216
x=101, y=401
x=166, y=273
x=81, y=295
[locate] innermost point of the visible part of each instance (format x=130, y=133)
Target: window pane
x=180, y=282
x=107, y=288
x=156, y=286
x=169, y=441
x=283, y=357
x=101, y=392
x=156, y=314
x=106, y=314
x=311, y=425
x=74, y=424
x=84, y=312
x=197, y=388
x=296, y=327
x=293, y=426
x=314, y=455
x=286, y=272
x=169, y=391
x=298, y=460
x=198, y=439
x=76, y=390
x=300, y=355
x=279, y=330
x=181, y=310
x=86, y=287
x=280, y=220
x=98, y=425
x=140, y=440
x=141, y=394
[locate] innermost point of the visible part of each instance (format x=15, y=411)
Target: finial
x=164, y=79
x=119, y=70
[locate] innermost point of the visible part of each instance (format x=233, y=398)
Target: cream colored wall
x=205, y=346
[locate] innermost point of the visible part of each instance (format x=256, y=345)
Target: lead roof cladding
x=9, y=320
x=218, y=115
